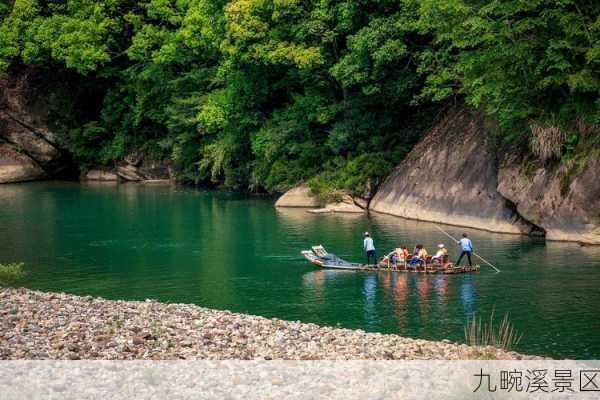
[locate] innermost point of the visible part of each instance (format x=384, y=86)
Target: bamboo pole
x=475, y=254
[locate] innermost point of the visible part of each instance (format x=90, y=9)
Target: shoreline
x=46, y=325
x=543, y=238
x=274, y=196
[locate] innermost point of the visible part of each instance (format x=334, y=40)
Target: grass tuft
x=10, y=273
x=547, y=141
x=485, y=333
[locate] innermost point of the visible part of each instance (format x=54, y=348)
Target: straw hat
x=441, y=246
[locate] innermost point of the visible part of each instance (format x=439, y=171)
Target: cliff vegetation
x=262, y=94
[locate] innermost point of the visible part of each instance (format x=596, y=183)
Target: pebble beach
x=39, y=325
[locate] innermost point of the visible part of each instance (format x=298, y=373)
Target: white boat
x=319, y=256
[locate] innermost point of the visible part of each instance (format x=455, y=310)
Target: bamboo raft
x=320, y=257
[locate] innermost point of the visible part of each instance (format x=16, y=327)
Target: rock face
x=347, y=204
x=451, y=177
x=344, y=207
x=567, y=208
x=100, y=175
x=135, y=167
x=129, y=173
x=29, y=149
x=17, y=167
x=298, y=197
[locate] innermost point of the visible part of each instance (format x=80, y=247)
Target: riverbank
x=456, y=175
x=38, y=325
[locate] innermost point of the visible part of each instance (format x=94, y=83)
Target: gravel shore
x=38, y=325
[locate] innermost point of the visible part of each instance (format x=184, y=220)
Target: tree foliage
x=520, y=61
x=262, y=94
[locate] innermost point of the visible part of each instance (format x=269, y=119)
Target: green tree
x=520, y=61
x=263, y=94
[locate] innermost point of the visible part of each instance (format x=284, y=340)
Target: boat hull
x=331, y=261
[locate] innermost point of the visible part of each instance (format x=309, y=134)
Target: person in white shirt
x=369, y=248
x=467, y=248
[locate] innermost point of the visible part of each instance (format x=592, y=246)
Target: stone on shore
x=129, y=173
x=157, y=182
x=17, y=167
x=320, y=211
x=37, y=325
x=104, y=175
x=345, y=205
x=299, y=196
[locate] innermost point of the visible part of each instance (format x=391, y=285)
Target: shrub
x=359, y=176
x=324, y=187
x=10, y=273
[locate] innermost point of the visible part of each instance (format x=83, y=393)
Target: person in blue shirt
x=467, y=248
x=369, y=248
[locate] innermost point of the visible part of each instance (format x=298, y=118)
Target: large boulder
x=29, y=147
x=565, y=201
x=450, y=177
x=347, y=204
x=17, y=167
x=300, y=196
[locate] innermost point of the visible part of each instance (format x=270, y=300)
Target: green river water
x=237, y=252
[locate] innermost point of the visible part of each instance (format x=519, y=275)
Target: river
x=237, y=252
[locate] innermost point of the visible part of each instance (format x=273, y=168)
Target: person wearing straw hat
x=440, y=254
x=369, y=247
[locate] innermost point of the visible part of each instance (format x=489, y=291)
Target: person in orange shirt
x=403, y=253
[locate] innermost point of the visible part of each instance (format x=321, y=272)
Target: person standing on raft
x=369, y=248
x=467, y=248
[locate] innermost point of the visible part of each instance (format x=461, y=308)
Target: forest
x=259, y=95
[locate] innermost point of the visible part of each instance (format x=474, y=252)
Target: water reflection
x=409, y=295
x=467, y=295
x=423, y=292
x=370, y=307
x=400, y=290
x=441, y=289
x=300, y=217
x=236, y=252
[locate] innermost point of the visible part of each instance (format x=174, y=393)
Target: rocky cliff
x=564, y=200
x=451, y=177
x=454, y=176
x=28, y=148
x=133, y=168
